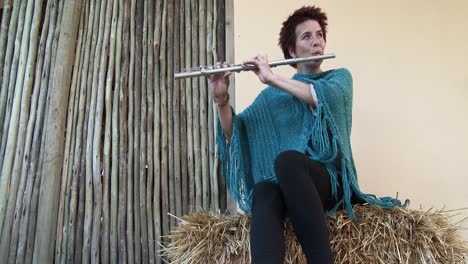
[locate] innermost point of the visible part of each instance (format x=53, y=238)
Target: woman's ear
x=292, y=53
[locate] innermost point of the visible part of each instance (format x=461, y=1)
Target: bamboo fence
x=99, y=144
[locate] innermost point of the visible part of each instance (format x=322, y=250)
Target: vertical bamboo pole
x=5, y=28
x=189, y=102
x=131, y=175
x=110, y=196
x=10, y=86
x=164, y=126
x=210, y=130
x=170, y=123
x=211, y=32
x=183, y=115
x=209, y=61
x=143, y=46
x=53, y=155
x=131, y=124
x=221, y=56
x=66, y=153
x=157, y=193
x=214, y=45
x=203, y=109
x=149, y=132
x=143, y=130
x=116, y=179
x=123, y=139
x=7, y=7
x=136, y=143
x=176, y=117
x=196, y=109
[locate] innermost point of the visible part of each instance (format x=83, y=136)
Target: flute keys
x=200, y=68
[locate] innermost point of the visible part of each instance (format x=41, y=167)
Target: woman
x=288, y=155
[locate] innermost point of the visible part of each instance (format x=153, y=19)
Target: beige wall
x=409, y=61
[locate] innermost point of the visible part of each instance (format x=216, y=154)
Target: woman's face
x=309, y=42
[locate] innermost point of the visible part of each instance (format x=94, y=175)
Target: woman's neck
x=309, y=70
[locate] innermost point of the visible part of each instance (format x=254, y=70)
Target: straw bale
x=377, y=236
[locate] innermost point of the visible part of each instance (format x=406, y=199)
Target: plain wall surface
x=409, y=61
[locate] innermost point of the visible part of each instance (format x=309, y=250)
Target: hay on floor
x=378, y=236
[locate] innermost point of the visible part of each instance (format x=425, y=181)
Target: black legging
x=303, y=193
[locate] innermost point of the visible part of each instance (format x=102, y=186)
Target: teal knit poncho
x=277, y=121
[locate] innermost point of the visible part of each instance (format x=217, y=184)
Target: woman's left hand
x=263, y=69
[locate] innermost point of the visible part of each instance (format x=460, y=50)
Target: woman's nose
x=315, y=42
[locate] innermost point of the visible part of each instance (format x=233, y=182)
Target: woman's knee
x=266, y=189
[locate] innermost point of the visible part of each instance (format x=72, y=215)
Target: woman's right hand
x=219, y=83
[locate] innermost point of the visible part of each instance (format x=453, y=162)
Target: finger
x=253, y=62
x=212, y=77
x=262, y=58
x=215, y=76
x=227, y=74
x=223, y=74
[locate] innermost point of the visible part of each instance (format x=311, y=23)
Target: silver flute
x=206, y=70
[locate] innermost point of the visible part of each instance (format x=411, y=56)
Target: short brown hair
x=287, y=36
